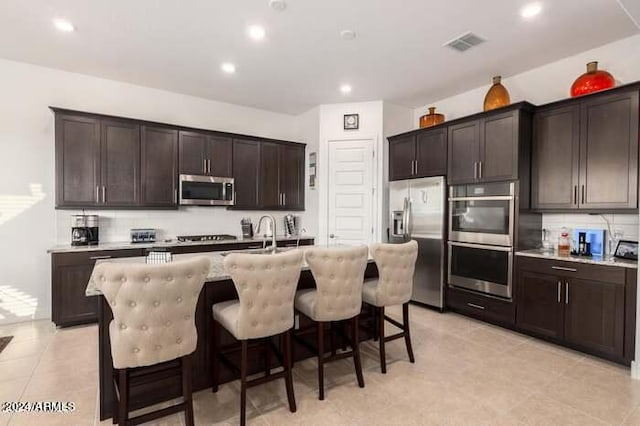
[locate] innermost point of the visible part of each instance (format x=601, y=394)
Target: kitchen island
x=162, y=382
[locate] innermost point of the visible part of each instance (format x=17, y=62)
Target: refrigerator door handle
x=405, y=219
x=409, y=220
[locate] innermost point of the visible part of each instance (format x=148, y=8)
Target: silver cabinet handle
x=416, y=172
x=559, y=290
x=99, y=257
x=475, y=170
x=582, y=194
x=473, y=305
x=575, y=195
x=479, y=169
x=97, y=194
x=209, y=166
x=562, y=268
x=566, y=288
x=284, y=199
x=104, y=197
x=175, y=196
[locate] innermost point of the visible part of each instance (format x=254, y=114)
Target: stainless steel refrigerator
x=417, y=208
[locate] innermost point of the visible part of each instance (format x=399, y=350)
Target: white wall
x=29, y=225
x=331, y=128
x=548, y=83
x=309, y=131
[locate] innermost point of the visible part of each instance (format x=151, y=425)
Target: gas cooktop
x=215, y=237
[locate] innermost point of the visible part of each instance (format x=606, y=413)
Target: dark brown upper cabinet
x=205, y=154
x=489, y=148
x=246, y=163
x=120, y=163
x=77, y=160
x=585, y=153
x=270, y=175
x=97, y=162
x=555, y=157
x=159, y=173
x=420, y=154
x=292, y=176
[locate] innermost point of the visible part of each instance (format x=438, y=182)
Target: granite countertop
x=124, y=245
x=216, y=271
x=594, y=260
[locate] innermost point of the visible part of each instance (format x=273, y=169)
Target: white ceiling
x=178, y=45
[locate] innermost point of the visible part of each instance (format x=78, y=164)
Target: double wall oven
x=481, y=234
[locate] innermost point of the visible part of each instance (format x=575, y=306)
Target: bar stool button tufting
x=156, y=303
x=136, y=350
x=168, y=324
x=123, y=279
x=132, y=304
x=179, y=299
x=123, y=327
x=144, y=328
x=169, y=278
x=158, y=347
x=178, y=340
x=147, y=279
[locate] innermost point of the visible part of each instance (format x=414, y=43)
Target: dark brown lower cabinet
x=70, y=273
x=539, y=305
x=594, y=316
x=583, y=306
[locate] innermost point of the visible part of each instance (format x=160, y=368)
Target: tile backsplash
x=625, y=223
x=116, y=224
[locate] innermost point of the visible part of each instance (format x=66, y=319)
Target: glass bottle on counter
x=564, y=243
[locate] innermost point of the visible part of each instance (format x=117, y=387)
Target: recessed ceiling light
x=278, y=5
x=64, y=25
x=256, y=32
x=347, y=34
x=530, y=10
x=345, y=89
x=228, y=67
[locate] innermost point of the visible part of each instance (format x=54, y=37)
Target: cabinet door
x=402, y=153
x=193, y=148
x=220, y=156
x=292, y=176
x=269, y=194
x=609, y=152
x=246, y=166
x=539, y=304
x=77, y=160
x=120, y=163
x=431, y=153
x=159, y=166
x=69, y=303
x=594, y=316
x=555, y=158
x=464, y=151
x=499, y=147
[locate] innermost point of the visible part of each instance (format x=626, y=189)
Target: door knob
x=331, y=236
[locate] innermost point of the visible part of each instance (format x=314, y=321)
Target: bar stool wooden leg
x=320, y=360
x=289, y=376
x=407, y=335
x=332, y=335
x=355, y=345
x=215, y=364
x=376, y=323
x=123, y=390
x=243, y=384
x=114, y=403
x=267, y=356
x=187, y=391
x=383, y=358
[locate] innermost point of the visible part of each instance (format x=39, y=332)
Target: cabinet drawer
x=88, y=257
x=483, y=307
x=609, y=274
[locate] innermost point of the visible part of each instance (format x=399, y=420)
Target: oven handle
x=481, y=246
x=487, y=198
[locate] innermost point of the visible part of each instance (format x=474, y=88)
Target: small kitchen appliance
x=143, y=235
x=84, y=230
x=291, y=224
x=247, y=228
x=214, y=237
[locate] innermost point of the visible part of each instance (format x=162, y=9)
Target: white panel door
x=350, y=192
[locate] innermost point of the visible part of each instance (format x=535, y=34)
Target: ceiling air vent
x=464, y=42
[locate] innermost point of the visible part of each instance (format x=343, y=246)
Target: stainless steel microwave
x=206, y=191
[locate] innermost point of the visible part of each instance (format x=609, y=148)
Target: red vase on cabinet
x=593, y=80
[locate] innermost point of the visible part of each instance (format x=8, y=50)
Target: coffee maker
x=84, y=230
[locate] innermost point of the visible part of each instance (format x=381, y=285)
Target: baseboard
x=635, y=370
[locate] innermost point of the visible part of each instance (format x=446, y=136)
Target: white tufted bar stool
x=394, y=285
x=153, y=322
x=266, y=286
x=339, y=275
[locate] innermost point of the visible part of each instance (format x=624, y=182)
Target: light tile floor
x=466, y=373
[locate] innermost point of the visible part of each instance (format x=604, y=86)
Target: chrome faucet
x=273, y=229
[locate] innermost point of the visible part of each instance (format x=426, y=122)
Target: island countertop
x=216, y=270
x=124, y=245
